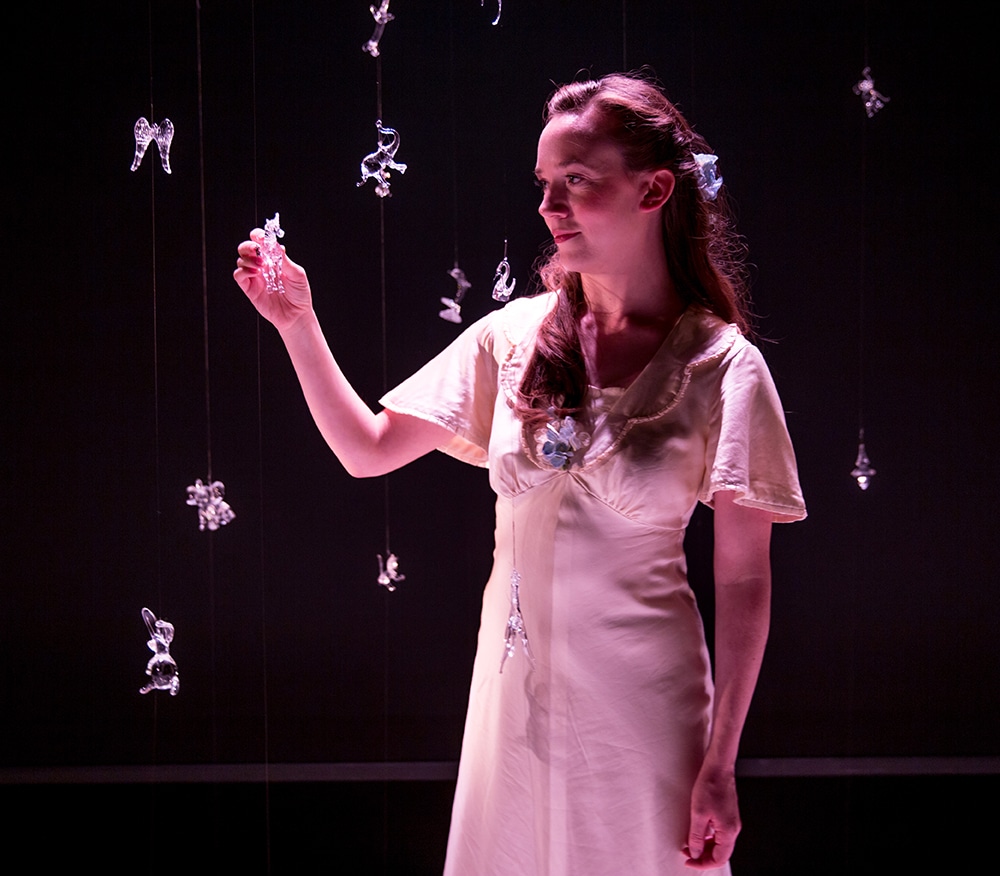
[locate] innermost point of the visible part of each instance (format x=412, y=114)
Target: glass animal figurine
x=162, y=668
x=213, y=511
x=270, y=251
x=865, y=87
x=382, y=17
x=515, y=631
x=453, y=306
x=376, y=165
x=388, y=572
x=501, y=289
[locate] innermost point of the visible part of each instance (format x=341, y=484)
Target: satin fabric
x=580, y=761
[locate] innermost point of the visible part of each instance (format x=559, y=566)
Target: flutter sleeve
x=749, y=451
x=457, y=389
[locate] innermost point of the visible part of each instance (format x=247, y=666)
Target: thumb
x=696, y=837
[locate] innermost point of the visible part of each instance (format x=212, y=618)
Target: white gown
x=582, y=765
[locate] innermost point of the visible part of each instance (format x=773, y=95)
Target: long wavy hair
x=704, y=255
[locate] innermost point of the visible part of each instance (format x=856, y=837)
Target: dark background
x=872, y=244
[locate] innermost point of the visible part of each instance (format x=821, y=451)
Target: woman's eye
x=573, y=179
x=541, y=183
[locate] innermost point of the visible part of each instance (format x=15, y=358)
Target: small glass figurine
x=161, y=134
x=382, y=17
x=865, y=87
x=515, y=631
x=862, y=471
x=162, y=668
x=270, y=251
x=496, y=20
x=453, y=306
x=388, y=572
x=501, y=290
x=213, y=512
x=376, y=165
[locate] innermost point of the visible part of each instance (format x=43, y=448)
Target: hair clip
x=709, y=180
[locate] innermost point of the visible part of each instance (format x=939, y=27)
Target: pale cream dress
x=582, y=764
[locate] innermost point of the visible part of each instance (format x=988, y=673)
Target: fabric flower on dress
x=560, y=442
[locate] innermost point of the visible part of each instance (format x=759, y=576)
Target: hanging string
x=383, y=298
x=154, y=737
x=260, y=467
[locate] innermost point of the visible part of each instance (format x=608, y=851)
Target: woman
x=605, y=408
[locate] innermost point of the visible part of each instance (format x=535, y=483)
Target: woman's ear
x=659, y=188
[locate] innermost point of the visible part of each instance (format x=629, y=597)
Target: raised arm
x=742, y=616
x=366, y=443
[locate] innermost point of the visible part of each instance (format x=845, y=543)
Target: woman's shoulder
x=702, y=337
x=520, y=318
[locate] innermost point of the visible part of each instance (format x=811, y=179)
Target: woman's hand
x=283, y=309
x=715, y=819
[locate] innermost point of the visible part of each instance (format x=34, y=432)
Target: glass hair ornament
x=213, y=511
x=388, y=572
x=270, y=251
x=161, y=134
x=865, y=87
x=453, y=306
x=382, y=17
x=501, y=290
x=161, y=668
x=376, y=165
x=496, y=20
x=862, y=471
x=709, y=181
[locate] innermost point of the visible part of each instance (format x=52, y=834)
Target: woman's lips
x=563, y=236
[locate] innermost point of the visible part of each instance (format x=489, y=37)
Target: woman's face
x=599, y=214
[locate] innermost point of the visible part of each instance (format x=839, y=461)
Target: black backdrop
x=885, y=605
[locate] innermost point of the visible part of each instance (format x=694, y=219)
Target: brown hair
x=703, y=253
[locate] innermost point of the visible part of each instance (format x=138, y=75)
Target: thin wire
x=154, y=741
x=385, y=489
x=260, y=466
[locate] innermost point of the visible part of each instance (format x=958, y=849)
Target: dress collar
x=698, y=338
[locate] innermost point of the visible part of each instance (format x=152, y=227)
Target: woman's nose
x=552, y=204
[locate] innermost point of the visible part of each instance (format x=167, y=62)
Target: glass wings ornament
x=213, y=511
x=453, y=306
x=382, y=17
x=865, y=87
x=162, y=135
x=270, y=251
x=388, y=572
x=376, y=165
x=162, y=668
x=501, y=289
